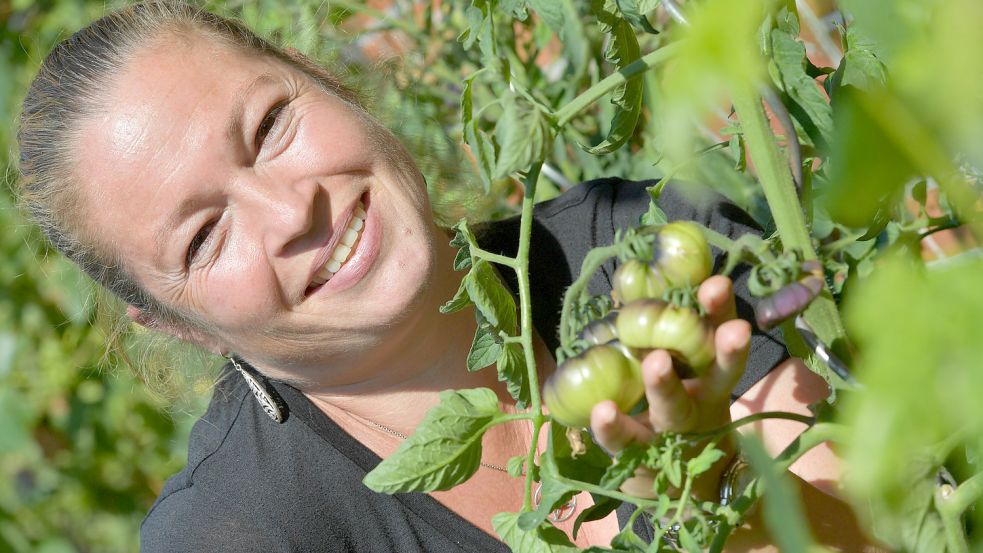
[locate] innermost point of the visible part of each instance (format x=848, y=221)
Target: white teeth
x=349, y=237
x=344, y=247
x=341, y=253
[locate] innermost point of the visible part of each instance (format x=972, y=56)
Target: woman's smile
x=303, y=219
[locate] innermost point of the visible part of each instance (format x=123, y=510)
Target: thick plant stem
x=612, y=81
x=784, y=203
x=525, y=317
x=955, y=534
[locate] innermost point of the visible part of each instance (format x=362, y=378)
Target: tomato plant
x=837, y=172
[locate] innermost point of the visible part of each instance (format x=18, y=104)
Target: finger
x=614, y=430
x=671, y=409
x=716, y=295
x=732, y=341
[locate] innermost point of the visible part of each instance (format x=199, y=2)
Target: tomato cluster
x=610, y=368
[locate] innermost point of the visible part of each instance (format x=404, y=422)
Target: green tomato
x=683, y=254
x=654, y=324
x=600, y=331
x=599, y=373
x=636, y=279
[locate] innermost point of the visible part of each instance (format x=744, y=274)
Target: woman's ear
x=191, y=336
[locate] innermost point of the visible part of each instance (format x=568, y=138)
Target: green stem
x=812, y=437
x=521, y=266
x=967, y=494
x=612, y=81
x=592, y=262
x=727, y=428
x=955, y=534
x=680, y=508
x=493, y=257
x=613, y=494
x=784, y=204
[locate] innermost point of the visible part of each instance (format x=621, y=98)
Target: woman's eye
x=267, y=125
x=197, y=242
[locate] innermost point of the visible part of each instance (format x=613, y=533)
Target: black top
x=254, y=485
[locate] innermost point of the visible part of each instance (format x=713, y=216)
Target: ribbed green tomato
x=636, y=279
x=600, y=331
x=654, y=324
x=683, y=255
x=600, y=373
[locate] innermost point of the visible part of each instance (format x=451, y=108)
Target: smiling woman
x=236, y=196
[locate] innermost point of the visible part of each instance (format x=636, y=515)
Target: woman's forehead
x=164, y=118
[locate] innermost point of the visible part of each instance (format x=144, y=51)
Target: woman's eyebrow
x=234, y=129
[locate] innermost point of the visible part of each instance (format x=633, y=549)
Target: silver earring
x=262, y=395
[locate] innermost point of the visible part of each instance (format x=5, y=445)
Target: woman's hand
x=690, y=405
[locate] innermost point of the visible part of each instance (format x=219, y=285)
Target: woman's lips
x=361, y=258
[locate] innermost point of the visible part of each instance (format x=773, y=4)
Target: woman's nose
x=281, y=211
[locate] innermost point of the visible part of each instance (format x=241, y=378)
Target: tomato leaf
x=622, y=50
x=543, y=539
x=490, y=297
x=445, y=450
x=813, y=111
x=687, y=541
x=654, y=215
x=485, y=348
x=702, y=462
x=524, y=135
x=512, y=370
x=635, y=10
x=516, y=465
x=482, y=146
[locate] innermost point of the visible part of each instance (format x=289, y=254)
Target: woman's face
x=226, y=182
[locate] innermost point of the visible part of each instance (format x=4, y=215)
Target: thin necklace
x=560, y=514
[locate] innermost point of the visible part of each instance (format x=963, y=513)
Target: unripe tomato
x=684, y=254
x=682, y=257
x=636, y=279
x=654, y=324
x=599, y=373
x=600, y=331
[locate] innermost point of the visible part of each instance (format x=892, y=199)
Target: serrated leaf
x=516, y=465
x=789, y=55
x=702, y=462
x=485, y=348
x=635, y=10
x=459, y=301
x=523, y=134
x=462, y=240
x=551, y=12
x=482, y=146
x=514, y=8
x=622, y=50
x=628, y=540
x=512, y=370
x=602, y=507
x=623, y=468
x=543, y=539
x=654, y=215
x=860, y=66
x=445, y=450
x=490, y=297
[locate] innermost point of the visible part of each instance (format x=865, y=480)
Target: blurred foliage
x=85, y=444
